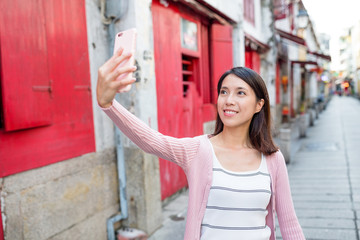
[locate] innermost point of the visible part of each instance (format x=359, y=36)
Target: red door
x=252, y=60
x=185, y=92
x=166, y=25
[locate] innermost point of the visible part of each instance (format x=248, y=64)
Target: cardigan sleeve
x=178, y=150
x=288, y=222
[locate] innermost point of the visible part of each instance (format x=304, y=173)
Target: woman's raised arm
x=181, y=151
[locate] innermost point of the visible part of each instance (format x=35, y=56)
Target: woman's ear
x=259, y=105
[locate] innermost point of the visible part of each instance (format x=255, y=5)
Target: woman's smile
x=229, y=112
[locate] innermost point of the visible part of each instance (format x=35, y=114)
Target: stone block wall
x=66, y=200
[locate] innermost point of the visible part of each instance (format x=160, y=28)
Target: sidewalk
x=324, y=175
x=174, y=215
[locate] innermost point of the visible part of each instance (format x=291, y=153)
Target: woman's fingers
x=114, y=61
x=110, y=70
x=121, y=71
x=123, y=83
x=119, y=59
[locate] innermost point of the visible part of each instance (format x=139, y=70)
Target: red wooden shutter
x=26, y=87
x=69, y=62
x=221, y=54
x=71, y=133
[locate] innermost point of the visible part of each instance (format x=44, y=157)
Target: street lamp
x=302, y=18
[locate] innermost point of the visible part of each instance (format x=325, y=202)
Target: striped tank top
x=236, y=207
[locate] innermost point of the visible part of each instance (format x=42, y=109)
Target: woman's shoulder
x=204, y=142
x=278, y=155
x=275, y=156
x=202, y=138
x=276, y=160
x=200, y=142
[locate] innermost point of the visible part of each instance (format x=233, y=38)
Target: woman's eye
x=241, y=93
x=222, y=92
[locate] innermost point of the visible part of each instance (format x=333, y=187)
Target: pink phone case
x=127, y=40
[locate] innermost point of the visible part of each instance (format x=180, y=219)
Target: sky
x=332, y=17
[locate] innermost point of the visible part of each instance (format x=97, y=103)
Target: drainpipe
x=111, y=13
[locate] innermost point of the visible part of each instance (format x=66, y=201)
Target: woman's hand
x=108, y=84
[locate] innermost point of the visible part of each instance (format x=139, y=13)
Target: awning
x=204, y=8
x=255, y=45
x=291, y=37
x=303, y=63
x=326, y=57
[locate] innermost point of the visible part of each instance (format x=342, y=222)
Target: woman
x=237, y=177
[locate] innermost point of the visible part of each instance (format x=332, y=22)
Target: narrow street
x=325, y=174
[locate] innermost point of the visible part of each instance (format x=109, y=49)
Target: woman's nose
x=229, y=99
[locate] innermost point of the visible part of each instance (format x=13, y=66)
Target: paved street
x=324, y=176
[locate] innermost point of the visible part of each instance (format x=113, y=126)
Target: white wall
x=255, y=30
x=98, y=54
x=143, y=93
x=356, y=55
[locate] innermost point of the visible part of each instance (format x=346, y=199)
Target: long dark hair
x=260, y=126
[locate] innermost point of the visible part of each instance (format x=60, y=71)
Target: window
x=249, y=11
x=280, y=9
x=189, y=33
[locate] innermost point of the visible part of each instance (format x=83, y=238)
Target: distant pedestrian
x=237, y=177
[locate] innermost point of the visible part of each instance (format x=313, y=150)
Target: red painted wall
x=43, y=127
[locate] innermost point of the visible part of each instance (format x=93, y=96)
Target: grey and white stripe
x=240, y=174
x=236, y=209
x=233, y=228
x=240, y=190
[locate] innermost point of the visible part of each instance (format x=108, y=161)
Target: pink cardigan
x=194, y=156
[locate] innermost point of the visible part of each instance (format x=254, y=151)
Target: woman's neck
x=235, y=138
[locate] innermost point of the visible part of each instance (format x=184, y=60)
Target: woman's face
x=237, y=102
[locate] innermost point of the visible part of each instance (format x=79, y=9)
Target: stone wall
x=66, y=200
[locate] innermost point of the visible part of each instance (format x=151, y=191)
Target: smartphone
x=126, y=40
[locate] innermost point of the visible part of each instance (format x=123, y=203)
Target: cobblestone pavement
x=324, y=175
